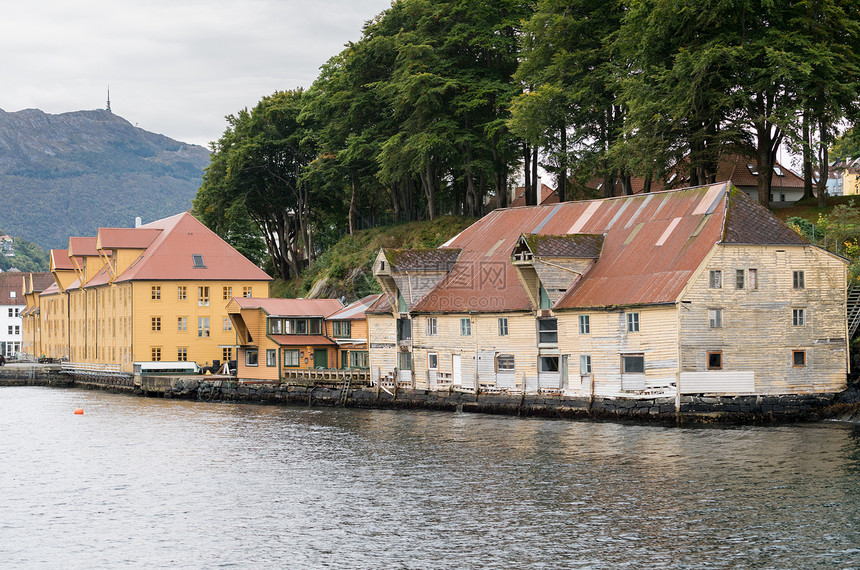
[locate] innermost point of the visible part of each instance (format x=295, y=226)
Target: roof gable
x=170, y=255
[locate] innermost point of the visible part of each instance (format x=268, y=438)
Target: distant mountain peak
x=70, y=173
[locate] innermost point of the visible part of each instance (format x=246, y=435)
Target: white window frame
x=256, y=357
x=433, y=361
x=798, y=317
x=798, y=279
x=585, y=365
x=503, y=326
x=715, y=318
x=584, y=324
x=715, y=279
x=632, y=320
x=466, y=326
x=432, y=326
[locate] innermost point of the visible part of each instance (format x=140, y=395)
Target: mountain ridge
x=71, y=173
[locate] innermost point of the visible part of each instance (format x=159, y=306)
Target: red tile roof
x=169, y=256
x=126, y=238
x=291, y=307
x=547, y=196
x=302, y=340
x=60, y=260
x=82, y=247
x=652, y=244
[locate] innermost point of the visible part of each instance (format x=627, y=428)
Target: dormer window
x=197, y=259
x=753, y=169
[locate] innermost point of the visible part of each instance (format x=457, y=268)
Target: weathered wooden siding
x=560, y=274
x=657, y=341
x=757, y=332
x=382, y=336
x=484, y=341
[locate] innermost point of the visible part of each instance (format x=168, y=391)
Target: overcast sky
x=175, y=67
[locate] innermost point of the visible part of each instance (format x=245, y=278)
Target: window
x=10, y=329
x=716, y=279
x=401, y=303
x=798, y=357
x=203, y=326
x=291, y=357
x=799, y=280
x=432, y=329
x=203, y=296
x=182, y=323
x=545, y=302
x=226, y=354
x=753, y=278
x=276, y=326
x=271, y=357
x=632, y=322
x=503, y=326
x=247, y=291
x=584, y=324
x=226, y=293
x=715, y=318
x=739, y=279
x=17, y=312
x=228, y=325
x=432, y=361
x=404, y=329
x=342, y=329
x=547, y=331
x=466, y=327
x=715, y=360
x=584, y=364
x=182, y=354
x=251, y=357
x=10, y=312
x=197, y=261
x=505, y=363
x=156, y=292
x=300, y=326
x=632, y=363
x=182, y=292
x=315, y=326
x=156, y=323
x=359, y=359
x=404, y=360
x=156, y=354
x=548, y=363
x=13, y=294
x=17, y=329
x=798, y=317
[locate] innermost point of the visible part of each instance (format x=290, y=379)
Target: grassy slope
x=809, y=210
x=344, y=270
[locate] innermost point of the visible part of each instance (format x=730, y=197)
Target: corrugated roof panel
x=618, y=214
x=546, y=220
x=708, y=201
x=642, y=205
x=672, y=225
x=584, y=217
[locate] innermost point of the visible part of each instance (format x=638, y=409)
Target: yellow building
x=158, y=292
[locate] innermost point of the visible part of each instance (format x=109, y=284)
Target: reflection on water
x=183, y=484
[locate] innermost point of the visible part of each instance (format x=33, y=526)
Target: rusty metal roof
x=568, y=245
x=421, y=259
x=290, y=307
x=355, y=310
x=653, y=243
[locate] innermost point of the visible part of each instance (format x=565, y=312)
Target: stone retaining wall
x=694, y=409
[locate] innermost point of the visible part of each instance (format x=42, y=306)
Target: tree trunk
x=807, y=159
x=535, y=191
x=824, y=161
x=428, y=182
x=527, y=165
x=646, y=184
x=352, y=206
x=562, y=179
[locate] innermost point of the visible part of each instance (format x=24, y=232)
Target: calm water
x=144, y=482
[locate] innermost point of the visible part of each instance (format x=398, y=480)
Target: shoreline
x=695, y=410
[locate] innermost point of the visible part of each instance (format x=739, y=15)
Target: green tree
x=256, y=173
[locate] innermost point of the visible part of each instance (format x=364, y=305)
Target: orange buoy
x=79, y=411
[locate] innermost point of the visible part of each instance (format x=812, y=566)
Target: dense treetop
x=442, y=105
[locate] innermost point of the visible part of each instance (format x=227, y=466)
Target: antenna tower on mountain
x=108, y=101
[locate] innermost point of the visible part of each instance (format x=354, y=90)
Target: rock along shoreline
x=725, y=410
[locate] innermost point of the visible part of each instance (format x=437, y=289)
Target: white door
x=456, y=371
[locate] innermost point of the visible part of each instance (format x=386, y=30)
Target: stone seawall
x=694, y=409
